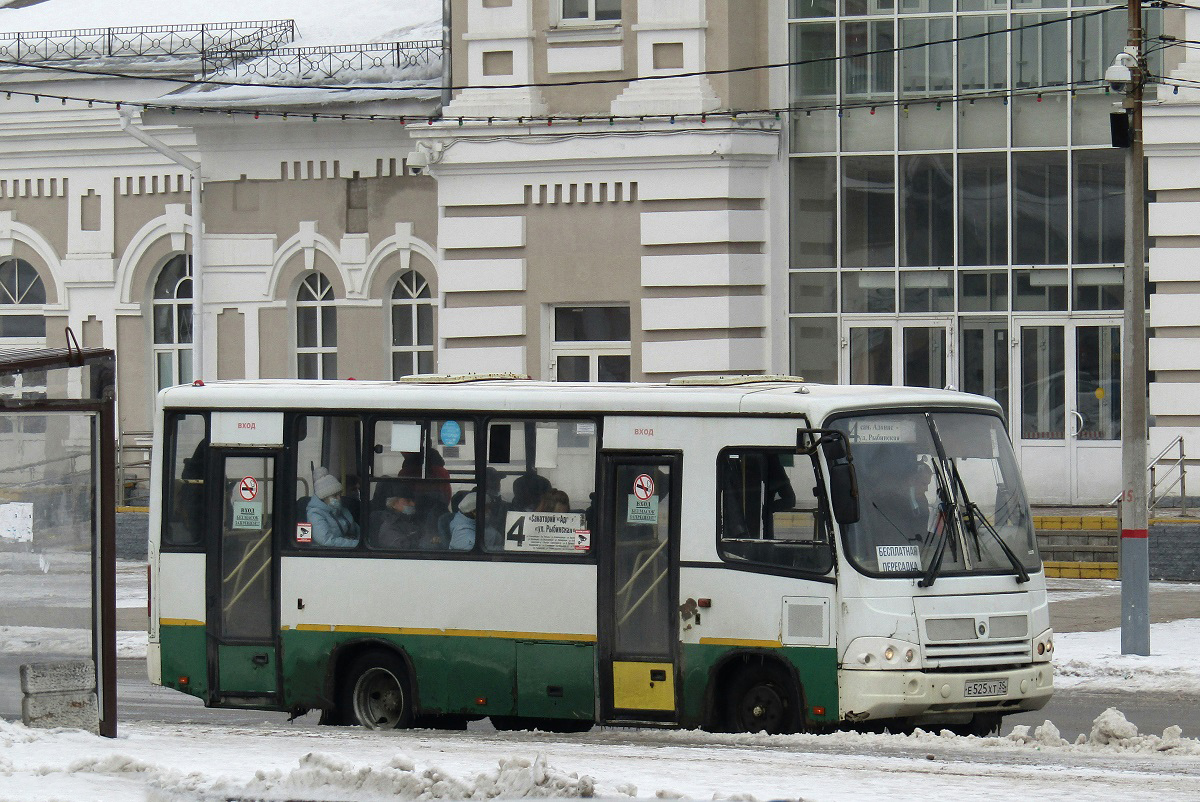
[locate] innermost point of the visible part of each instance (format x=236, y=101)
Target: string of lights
x=866, y=54
x=1038, y=93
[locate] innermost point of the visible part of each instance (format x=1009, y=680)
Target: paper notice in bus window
x=406, y=437
x=546, y=532
x=898, y=558
x=641, y=510
x=247, y=515
x=304, y=532
x=883, y=430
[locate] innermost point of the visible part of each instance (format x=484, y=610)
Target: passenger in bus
x=432, y=471
x=494, y=503
x=400, y=527
x=463, y=528
x=528, y=489
x=332, y=524
x=554, y=500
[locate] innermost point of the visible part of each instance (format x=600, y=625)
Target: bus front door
x=639, y=579
x=241, y=593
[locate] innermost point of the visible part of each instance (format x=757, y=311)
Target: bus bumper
x=872, y=695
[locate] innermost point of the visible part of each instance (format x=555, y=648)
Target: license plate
x=986, y=687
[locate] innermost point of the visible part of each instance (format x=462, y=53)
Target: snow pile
x=13, y=733
x=1111, y=732
x=320, y=776
x=1093, y=660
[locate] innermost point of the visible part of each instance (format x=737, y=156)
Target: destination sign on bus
x=883, y=430
x=547, y=532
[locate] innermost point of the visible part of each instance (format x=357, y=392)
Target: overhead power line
x=702, y=118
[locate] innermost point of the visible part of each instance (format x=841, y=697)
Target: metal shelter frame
x=101, y=403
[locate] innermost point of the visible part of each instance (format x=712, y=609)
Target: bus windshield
x=939, y=493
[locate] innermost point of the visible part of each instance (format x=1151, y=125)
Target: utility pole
x=1135, y=544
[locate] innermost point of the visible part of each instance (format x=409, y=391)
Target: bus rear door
x=242, y=589
x=639, y=578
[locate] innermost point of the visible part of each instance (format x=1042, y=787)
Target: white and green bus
x=739, y=554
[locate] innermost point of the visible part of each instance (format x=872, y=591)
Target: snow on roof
x=317, y=23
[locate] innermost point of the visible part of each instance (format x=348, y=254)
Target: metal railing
x=83, y=44
x=1165, y=475
x=133, y=468
x=320, y=63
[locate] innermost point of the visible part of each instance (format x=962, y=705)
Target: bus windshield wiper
x=942, y=535
x=973, y=511
x=974, y=514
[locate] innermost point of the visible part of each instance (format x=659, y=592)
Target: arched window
x=173, y=322
x=22, y=294
x=412, y=326
x=316, y=329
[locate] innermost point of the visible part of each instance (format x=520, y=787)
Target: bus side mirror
x=843, y=493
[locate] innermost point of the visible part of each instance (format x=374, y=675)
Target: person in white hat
x=332, y=524
x=463, y=527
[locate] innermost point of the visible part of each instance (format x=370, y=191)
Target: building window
x=412, y=326
x=591, y=344
x=21, y=291
x=316, y=329
x=172, y=317
x=575, y=11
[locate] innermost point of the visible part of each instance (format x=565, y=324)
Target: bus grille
x=977, y=654
x=995, y=640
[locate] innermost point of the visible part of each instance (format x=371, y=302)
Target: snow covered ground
x=177, y=763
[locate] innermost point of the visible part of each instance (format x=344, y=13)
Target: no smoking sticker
x=643, y=486
x=248, y=488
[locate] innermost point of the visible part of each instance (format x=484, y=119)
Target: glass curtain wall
x=950, y=160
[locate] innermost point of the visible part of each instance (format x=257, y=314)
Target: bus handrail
x=238, y=568
x=637, y=572
x=657, y=580
x=249, y=553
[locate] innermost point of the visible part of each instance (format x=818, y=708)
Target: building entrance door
x=898, y=352
x=1068, y=422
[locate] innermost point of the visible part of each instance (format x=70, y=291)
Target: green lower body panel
x=246, y=669
x=457, y=674
x=184, y=655
x=482, y=676
x=816, y=667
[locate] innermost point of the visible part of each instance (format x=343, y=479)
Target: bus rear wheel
x=762, y=698
x=376, y=692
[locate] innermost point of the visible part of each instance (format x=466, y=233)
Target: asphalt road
x=1071, y=711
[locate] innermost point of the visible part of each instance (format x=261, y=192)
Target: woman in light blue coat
x=332, y=524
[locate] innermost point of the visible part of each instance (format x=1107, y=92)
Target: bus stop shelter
x=58, y=531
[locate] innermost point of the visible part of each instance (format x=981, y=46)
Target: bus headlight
x=1043, y=647
x=881, y=653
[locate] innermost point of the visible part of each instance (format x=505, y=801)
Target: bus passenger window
x=421, y=471
x=188, y=462
x=541, y=485
x=769, y=512
x=327, y=502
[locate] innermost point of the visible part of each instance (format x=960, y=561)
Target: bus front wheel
x=376, y=692
x=762, y=698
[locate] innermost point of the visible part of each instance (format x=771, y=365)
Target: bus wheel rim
x=379, y=699
x=762, y=709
